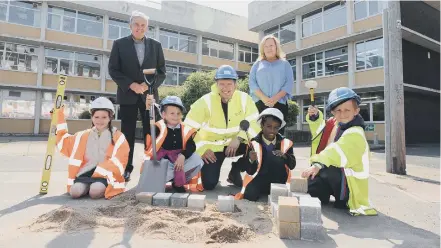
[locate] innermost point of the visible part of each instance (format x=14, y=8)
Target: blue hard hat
x=172, y=100
x=226, y=72
x=341, y=95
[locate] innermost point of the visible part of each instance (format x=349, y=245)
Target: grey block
x=179, y=200
x=277, y=190
x=298, y=195
x=145, y=197
x=311, y=232
x=225, y=203
x=299, y=184
x=269, y=201
x=196, y=202
x=310, y=210
x=162, y=199
x=274, y=209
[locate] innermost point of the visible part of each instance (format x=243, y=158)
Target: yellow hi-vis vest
x=207, y=116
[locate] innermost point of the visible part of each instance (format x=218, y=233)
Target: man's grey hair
x=138, y=14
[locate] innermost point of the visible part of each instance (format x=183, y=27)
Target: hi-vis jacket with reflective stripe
x=207, y=116
x=285, y=144
x=351, y=152
x=195, y=184
x=74, y=147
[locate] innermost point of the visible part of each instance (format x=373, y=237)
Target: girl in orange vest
x=174, y=141
x=270, y=159
x=97, y=156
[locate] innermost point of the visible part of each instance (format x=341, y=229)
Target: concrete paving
x=408, y=205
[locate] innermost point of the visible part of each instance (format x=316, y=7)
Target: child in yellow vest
x=97, y=156
x=270, y=160
x=174, y=141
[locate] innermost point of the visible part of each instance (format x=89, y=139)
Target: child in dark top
x=270, y=158
x=174, y=141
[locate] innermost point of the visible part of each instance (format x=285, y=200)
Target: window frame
x=22, y=97
x=217, y=50
x=323, y=98
x=380, y=11
x=178, y=73
x=250, y=51
x=76, y=18
x=7, y=3
x=279, y=29
x=74, y=60
x=3, y=57
x=321, y=15
x=178, y=36
x=370, y=104
x=323, y=61
x=293, y=67
x=356, y=53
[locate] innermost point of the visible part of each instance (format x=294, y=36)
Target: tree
x=196, y=85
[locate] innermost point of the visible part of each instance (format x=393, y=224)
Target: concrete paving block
x=274, y=209
x=299, y=184
x=145, y=197
x=196, y=202
x=225, y=203
x=162, y=199
x=310, y=210
x=179, y=200
x=311, y=232
x=269, y=200
x=289, y=210
x=298, y=195
x=288, y=230
x=277, y=190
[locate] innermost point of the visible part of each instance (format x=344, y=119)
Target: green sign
x=370, y=127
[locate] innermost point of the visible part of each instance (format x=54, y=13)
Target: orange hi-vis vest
x=113, y=166
x=284, y=146
x=187, y=132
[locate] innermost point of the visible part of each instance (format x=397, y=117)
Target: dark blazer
x=124, y=67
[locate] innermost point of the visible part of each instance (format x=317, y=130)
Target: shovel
x=154, y=172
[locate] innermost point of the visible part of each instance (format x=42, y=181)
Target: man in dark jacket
x=129, y=56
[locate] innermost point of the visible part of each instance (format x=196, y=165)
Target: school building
x=342, y=43
x=41, y=39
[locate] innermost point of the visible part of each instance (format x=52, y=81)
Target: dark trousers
x=330, y=181
x=280, y=106
x=210, y=173
x=129, y=116
x=273, y=171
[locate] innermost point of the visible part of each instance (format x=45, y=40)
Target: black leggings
x=280, y=106
x=329, y=181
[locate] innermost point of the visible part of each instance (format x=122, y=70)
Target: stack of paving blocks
x=177, y=200
x=297, y=214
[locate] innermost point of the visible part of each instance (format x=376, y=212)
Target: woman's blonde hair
x=279, y=53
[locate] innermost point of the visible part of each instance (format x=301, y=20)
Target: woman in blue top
x=271, y=77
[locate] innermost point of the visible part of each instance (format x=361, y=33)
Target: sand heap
x=123, y=214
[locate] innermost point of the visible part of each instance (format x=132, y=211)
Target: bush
x=293, y=111
x=196, y=85
x=242, y=85
x=85, y=115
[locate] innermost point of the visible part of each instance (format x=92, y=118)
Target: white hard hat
x=273, y=112
x=102, y=103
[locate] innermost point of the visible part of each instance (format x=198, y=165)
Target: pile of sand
x=123, y=213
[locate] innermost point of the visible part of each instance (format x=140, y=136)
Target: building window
x=369, y=54
x=73, y=21
x=319, y=103
x=367, y=8
x=178, y=41
x=71, y=63
x=335, y=61
x=219, y=49
x=285, y=32
x=18, y=57
x=20, y=12
x=372, y=106
x=17, y=104
x=151, y=33
x=184, y=73
x=176, y=75
x=248, y=54
x=324, y=19
x=292, y=62
x=118, y=29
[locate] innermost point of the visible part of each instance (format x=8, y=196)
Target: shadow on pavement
x=381, y=227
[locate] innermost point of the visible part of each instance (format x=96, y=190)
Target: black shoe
x=341, y=205
x=127, y=176
x=324, y=200
x=180, y=189
x=235, y=178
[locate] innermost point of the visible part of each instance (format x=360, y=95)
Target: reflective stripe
x=61, y=142
x=62, y=126
x=119, y=185
x=72, y=159
x=118, y=164
x=118, y=143
x=361, y=210
x=243, y=100
x=207, y=99
x=252, y=117
x=75, y=162
x=343, y=159
x=319, y=129
x=221, y=130
x=216, y=143
x=364, y=158
x=192, y=123
x=70, y=181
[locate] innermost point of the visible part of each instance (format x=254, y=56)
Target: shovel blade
x=153, y=176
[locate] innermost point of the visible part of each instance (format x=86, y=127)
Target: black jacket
x=124, y=67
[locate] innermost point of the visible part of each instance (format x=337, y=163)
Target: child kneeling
x=97, y=156
x=174, y=142
x=270, y=160
x=340, y=160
